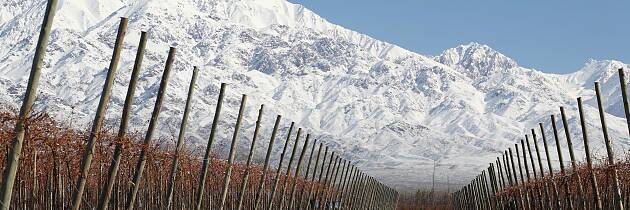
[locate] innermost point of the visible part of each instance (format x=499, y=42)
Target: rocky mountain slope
x=393, y=112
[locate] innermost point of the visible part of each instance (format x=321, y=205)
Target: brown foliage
x=51, y=157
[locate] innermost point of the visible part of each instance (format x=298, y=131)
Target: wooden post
x=520, y=195
x=580, y=188
x=312, y=185
x=624, y=96
x=507, y=168
x=348, y=187
x=470, y=199
x=13, y=155
x=487, y=185
x=527, y=190
x=86, y=161
x=353, y=188
x=288, y=172
x=501, y=178
x=465, y=197
x=338, y=181
x=513, y=168
x=589, y=162
x=538, y=197
x=321, y=173
x=124, y=122
x=328, y=180
x=345, y=199
x=626, y=108
x=531, y=156
x=325, y=183
x=277, y=177
x=230, y=160
x=524, y=198
x=333, y=182
x=180, y=141
x=495, y=187
x=370, y=200
x=508, y=173
x=308, y=169
x=206, y=158
x=486, y=193
x=263, y=176
x=131, y=197
x=567, y=191
x=490, y=191
x=478, y=198
x=547, y=201
x=618, y=203
x=297, y=170
x=243, y=187
x=344, y=183
x=551, y=178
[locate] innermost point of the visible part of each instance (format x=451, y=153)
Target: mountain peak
x=476, y=60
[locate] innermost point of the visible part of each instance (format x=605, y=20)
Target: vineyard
x=51, y=166
x=508, y=183
x=51, y=155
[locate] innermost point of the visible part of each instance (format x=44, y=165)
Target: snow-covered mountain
x=393, y=112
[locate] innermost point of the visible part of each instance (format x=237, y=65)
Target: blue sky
x=553, y=36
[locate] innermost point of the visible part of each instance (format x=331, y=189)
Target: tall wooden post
x=312, y=185
x=565, y=185
x=348, y=192
x=626, y=108
x=538, y=197
x=486, y=193
x=313, y=188
x=507, y=168
x=524, y=198
x=277, y=177
x=124, y=122
x=495, y=187
x=567, y=133
x=344, y=183
x=148, y=139
x=263, y=176
x=501, y=178
x=479, y=191
x=333, y=182
x=624, y=96
x=551, y=178
x=349, y=197
x=180, y=140
x=13, y=155
x=355, y=189
x=201, y=188
x=618, y=203
x=547, y=200
x=589, y=162
x=531, y=156
x=336, y=183
x=86, y=162
x=308, y=169
x=230, y=160
x=324, y=187
x=520, y=195
x=527, y=190
x=297, y=171
x=245, y=181
x=328, y=180
x=288, y=172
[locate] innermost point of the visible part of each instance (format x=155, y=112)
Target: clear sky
x=549, y=35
